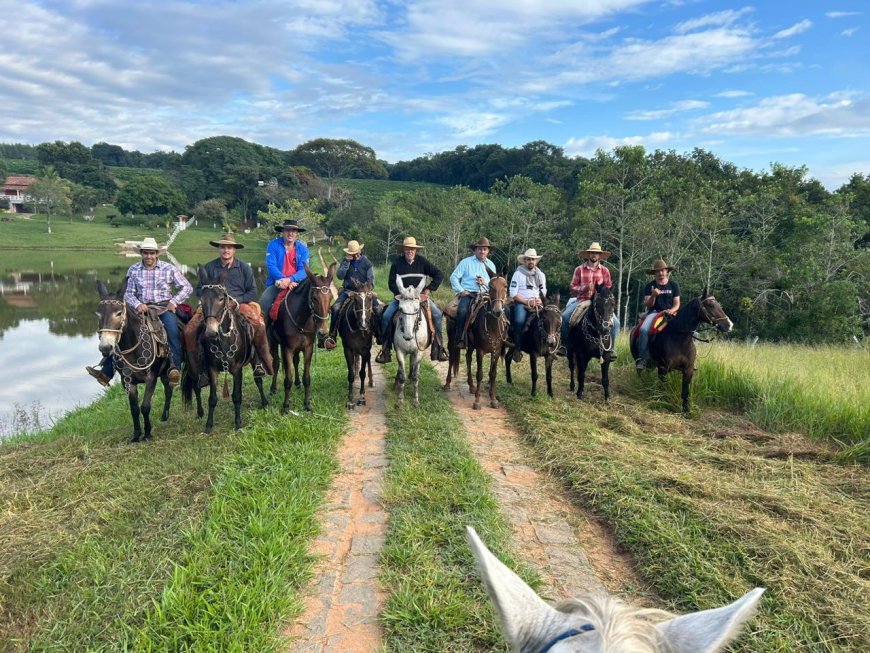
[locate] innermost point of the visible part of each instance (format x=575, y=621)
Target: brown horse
x=591, y=339
x=486, y=334
x=302, y=314
x=227, y=342
x=356, y=328
x=127, y=336
x=674, y=348
x=541, y=337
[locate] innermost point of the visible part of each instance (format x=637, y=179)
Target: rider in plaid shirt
x=586, y=277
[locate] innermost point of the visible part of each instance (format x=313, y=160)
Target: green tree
x=84, y=198
x=50, y=194
x=213, y=210
x=333, y=158
x=150, y=196
x=305, y=213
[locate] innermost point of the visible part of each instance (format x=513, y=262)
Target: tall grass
x=823, y=392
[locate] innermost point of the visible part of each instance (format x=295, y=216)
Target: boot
x=262, y=357
x=328, y=343
x=98, y=375
x=437, y=353
x=610, y=355
x=384, y=355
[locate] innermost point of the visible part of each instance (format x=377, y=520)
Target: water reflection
x=48, y=326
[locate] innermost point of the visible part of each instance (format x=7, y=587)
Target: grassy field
x=369, y=191
x=188, y=542
x=711, y=506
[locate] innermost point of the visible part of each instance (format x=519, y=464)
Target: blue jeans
x=566, y=315
x=390, y=311
x=643, y=336
x=268, y=298
x=518, y=321
x=462, y=315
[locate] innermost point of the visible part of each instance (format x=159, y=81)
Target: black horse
x=227, y=345
x=302, y=314
x=591, y=338
x=541, y=337
x=673, y=349
x=140, y=354
x=357, y=324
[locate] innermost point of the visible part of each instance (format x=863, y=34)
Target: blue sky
x=756, y=83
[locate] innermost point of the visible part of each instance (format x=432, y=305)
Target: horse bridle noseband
x=568, y=634
x=543, y=309
x=352, y=295
x=227, y=298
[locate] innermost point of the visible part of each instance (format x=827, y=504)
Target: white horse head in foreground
x=410, y=338
x=601, y=623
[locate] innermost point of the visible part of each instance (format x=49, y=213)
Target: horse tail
x=187, y=386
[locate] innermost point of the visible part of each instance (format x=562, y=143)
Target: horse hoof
x=135, y=438
x=493, y=404
x=446, y=386
x=350, y=405
x=416, y=404
x=164, y=418
x=361, y=402
x=475, y=406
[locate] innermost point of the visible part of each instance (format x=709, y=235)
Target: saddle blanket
x=658, y=326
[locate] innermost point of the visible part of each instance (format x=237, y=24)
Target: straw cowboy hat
x=481, y=242
x=595, y=248
x=353, y=247
x=289, y=224
x=149, y=245
x=411, y=242
x=660, y=265
x=529, y=253
x=226, y=239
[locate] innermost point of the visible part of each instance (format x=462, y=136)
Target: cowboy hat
x=481, y=242
x=226, y=239
x=660, y=265
x=353, y=247
x=529, y=253
x=595, y=248
x=411, y=242
x=149, y=245
x=289, y=224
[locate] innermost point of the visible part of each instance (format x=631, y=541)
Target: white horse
x=410, y=337
x=601, y=623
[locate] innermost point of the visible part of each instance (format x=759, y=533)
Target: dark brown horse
x=227, y=345
x=541, y=337
x=302, y=314
x=590, y=338
x=356, y=328
x=128, y=337
x=487, y=334
x=673, y=350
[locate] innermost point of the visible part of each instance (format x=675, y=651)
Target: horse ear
x=522, y=612
x=309, y=273
x=710, y=630
x=123, y=289
x=556, y=299
x=421, y=286
x=400, y=285
x=492, y=275
x=101, y=288
x=202, y=273
x=706, y=292
x=330, y=273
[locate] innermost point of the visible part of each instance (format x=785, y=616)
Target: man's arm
x=576, y=287
x=132, y=289
x=343, y=267
x=391, y=280
x=274, y=266
x=181, y=282
x=250, y=285
x=436, y=276
x=456, y=278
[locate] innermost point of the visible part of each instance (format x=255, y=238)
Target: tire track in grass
x=344, y=603
x=571, y=550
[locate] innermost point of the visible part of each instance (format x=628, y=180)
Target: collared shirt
x=275, y=253
x=528, y=286
x=360, y=270
x=584, y=275
x=239, y=279
x=465, y=275
x=156, y=285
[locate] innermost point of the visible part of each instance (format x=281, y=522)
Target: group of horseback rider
x=163, y=287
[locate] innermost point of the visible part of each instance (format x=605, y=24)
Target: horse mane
x=622, y=628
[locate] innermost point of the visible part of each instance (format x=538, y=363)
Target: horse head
x=216, y=303
x=320, y=297
x=599, y=623
x=603, y=307
x=712, y=313
x=362, y=299
x=112, y=312
x=409, y=306
x=550, y=322
x=498, y=287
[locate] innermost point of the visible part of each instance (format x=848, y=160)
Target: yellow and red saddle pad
x=658, y=325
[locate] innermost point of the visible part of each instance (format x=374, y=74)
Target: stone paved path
x=342, y=609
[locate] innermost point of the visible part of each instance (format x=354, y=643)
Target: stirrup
x=383, y=356
x=259, y=371
x=329, y=343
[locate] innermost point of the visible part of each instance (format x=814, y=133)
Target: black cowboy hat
x=289, y=224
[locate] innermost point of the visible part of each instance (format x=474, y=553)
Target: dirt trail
x=344, y=602
x=572, y=552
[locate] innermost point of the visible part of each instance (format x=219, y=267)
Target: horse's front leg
x=350, y=361
x=365, y=363
x=133, y=399
x=415, y=376
x=479, y=376
x=688, y=373
x=167, y=401
x=582, y=361
x=276, y=366
x=533, y=365
x=306, y=376
x=150, y=387
x=508, y=359
x=288, y=373
x=237, y=396
x=212, y=399
x=493, y=373
x=264, y=401
x=399, y=383
x=571, y=368
x=468, y=353
x=296, y=381
x=605, y=379
x=548, y=366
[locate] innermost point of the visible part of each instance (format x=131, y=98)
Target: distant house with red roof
x=14, y=191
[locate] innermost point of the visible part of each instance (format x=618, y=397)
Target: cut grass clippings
x=710, y=507
x=186, y=542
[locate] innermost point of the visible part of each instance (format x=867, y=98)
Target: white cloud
x=472, y=124
x=587, y=146
x=849, y=32
x=718, y=19
x=797, y=28
x=676, y=107
x=733, y=94
x=842, y=14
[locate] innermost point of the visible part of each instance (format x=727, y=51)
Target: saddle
x=578, y=313
x=452, y=307
x=157, y=330
x=658, y=326
x=276, y=305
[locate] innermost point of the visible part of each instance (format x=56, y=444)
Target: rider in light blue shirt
x=469, y=278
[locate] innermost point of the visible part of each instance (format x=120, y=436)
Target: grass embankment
x=434, y=488
x=711, y=506
x=187, y=542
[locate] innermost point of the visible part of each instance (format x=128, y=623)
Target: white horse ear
x=520, y=610
x=709, y=631
x=400, y=285
x=421, y=285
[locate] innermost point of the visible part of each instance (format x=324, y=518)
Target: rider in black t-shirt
x=660, y=295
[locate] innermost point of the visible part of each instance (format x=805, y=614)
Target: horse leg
x=306, y=376
x=508, y=358
x=468, y=354
x=365, y=363
x=212, y=399
x=688, y=373
x=296, y=380
x=276, y=366
x=582, y=364
x=237, y=396
x=452, y=365
x=264, y=401
x=493, y=372
x=399, y=384
x=368, y=358
x=605, y=378
x=479, y=376
x=350, y=361
x=133, y=399
x=533, y=364
x=150, y=386
x=415, y=376
x=548, y=367
x=167, y=401
x=571, y=368
x=288, y=371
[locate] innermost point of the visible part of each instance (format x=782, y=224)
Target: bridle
x=360, y=314
x=543, y=333
x=417, y=314
x=145, y=341
x=226, y=311
x=568, y=634
x=312, y=290
x=604, y=326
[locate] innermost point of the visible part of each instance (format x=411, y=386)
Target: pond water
x=48, y=301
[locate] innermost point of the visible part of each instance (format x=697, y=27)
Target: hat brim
x=603, y=253
x=218, y=243
x=474, y=246
x=402, y=247
x=359, y=251
x=280, y=229
x=654, y=270
x=522, y=258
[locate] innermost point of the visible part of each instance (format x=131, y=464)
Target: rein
x=145, y=342
x=543, y=335
x=324, y=290
x=216, y=347
x=585, y=628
